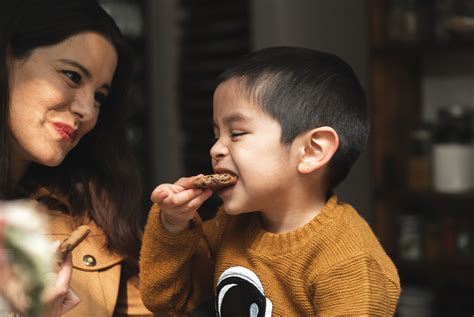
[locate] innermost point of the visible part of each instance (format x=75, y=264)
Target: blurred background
x=415, y=59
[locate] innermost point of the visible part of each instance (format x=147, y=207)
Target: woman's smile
x=66, y=132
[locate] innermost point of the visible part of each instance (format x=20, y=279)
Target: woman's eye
x=100, y=98
x=73, y=76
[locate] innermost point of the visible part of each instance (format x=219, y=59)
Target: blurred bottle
x=416, y=301
x=454, y=20
x=410, y=237
x=452, y=150
x=410, y=21
x=472, y=150
x=420, y=156
x=464, y=241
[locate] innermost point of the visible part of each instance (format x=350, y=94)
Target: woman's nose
x=83, y=105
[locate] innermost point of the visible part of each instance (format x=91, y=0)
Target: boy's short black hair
x=304, y=89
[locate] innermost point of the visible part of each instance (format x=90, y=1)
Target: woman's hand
x=178, y=203
x=59, y=298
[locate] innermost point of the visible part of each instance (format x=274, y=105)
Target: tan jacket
x=96, y=275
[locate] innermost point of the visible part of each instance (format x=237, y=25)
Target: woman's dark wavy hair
x=98, y=178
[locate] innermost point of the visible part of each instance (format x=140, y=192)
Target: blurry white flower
x=29, y=250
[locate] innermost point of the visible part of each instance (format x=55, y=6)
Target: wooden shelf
x=457, y=271
x=422, y=49
x=431, y=201
x=397, y=72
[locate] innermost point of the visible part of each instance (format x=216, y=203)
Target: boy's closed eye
x=236, y=134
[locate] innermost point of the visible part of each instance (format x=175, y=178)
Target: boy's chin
x=234, y=210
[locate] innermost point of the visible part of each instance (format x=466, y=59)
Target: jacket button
x=89, y=260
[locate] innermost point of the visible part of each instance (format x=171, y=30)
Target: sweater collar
x=277, y=243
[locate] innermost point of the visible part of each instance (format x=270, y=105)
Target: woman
x=64, y=79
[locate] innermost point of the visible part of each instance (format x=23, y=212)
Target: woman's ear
x=318, y=147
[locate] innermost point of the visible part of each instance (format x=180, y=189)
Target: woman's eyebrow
x=83, y=69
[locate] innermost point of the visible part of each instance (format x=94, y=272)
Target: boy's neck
x=294, y=213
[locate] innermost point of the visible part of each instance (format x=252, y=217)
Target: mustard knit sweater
x=333, y=265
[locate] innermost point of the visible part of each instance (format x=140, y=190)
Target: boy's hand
x=178, y=202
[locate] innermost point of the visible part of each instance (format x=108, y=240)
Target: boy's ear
x=317, y=148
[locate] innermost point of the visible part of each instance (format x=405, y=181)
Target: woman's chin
x=51, y=161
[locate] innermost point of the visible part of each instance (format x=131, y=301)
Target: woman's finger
x=3, y=256
x=63, y=277
x=70, y=301
x=57, y=295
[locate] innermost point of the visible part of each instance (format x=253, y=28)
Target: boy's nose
x=218, y=150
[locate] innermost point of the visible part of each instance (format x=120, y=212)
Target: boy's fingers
x=158, y=195
x=187, y=182
x=199, y=200
x=182, y=198
x=161, y=192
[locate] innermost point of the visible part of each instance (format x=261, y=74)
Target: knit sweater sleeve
x=355, y=287
x=175, y=269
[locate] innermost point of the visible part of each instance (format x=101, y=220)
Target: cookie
x=215, y=181
x=71, y=242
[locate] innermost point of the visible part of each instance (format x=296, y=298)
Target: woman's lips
x=66, y=132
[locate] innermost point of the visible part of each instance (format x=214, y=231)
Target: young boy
x=289, y=123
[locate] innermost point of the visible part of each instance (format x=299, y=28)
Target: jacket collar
x=92, y=248
x=60, y=227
